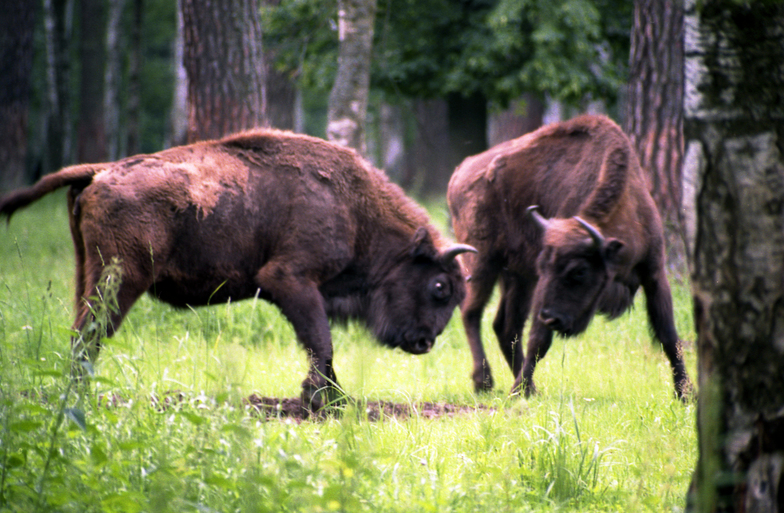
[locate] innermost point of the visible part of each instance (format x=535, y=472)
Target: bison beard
x=302, y=223
x=563, y=219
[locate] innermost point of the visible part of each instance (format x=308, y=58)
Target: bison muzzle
x=292, y=219
x=563, y=218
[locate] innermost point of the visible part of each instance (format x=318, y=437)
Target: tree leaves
x=567, y=49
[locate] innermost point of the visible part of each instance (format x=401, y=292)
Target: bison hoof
x=684, y=390
x=526, y=390
x=483, y=382
x=323, y=399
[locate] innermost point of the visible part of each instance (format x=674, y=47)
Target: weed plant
x=164, y=425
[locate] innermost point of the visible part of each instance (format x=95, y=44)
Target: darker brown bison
x=563, y=219
x=302, y=223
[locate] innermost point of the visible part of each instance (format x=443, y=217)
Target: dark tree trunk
x=133, y=125
x=467, y=129
x=349, y=97
x=225, y=65
x=282, y=95
x=654, y=119
x=733, y=164
x=112, y=79
x=17, y=23
x=427, y=168
x=57, y=131
x=281, y=90
x=523, y=115
x=91, y=145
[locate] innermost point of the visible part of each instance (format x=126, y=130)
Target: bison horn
x=598, y=238
x=533, y=211
x=451, y=252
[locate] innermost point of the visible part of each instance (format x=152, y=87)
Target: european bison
x=302, y=223
x=564, y=218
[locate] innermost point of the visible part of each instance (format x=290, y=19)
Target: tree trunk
x=225, y=65
x=92, y=40
x=349, y=97
x=133, y=125
x=57, y=130
x=523, y=115
x=179, y=113
x=654, y=119
x=16, y=59
x=112, y=79
x=426, y=164
x=734, y=128
x=467, y=130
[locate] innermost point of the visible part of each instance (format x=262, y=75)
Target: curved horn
x=452, y=251
x=533, y=211
x=598, y=238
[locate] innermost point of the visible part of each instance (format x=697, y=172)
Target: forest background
x=97, y=80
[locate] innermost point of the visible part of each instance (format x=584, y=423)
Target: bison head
x=574, y=267
x=414, y=300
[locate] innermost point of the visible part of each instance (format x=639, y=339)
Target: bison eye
x=440, y=289
x=577, y=275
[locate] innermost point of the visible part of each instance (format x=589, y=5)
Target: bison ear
x=612, y=251
x=422, y=244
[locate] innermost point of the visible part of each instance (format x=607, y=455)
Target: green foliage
x=569, y=49
x=165, y=427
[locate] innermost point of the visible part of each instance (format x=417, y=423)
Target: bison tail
x=80, y=175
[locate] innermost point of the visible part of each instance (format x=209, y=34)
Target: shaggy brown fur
x=582, y=172
x=292, y=219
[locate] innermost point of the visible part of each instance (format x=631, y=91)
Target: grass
x=604, y=433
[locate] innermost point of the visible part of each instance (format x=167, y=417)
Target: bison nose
x=551, y=319
x=420, y=346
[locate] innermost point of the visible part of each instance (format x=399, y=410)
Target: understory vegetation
x=166, y=424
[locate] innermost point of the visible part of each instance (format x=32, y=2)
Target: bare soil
x=273, y=408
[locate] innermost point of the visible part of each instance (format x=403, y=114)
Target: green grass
x=604, y=433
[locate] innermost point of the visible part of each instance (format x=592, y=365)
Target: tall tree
x=734, y=128
x=16, y=58
x=654, y=119
x=91, y=146
x=112, y=78
x=224, y=62
x=133, y=125
x=348, y=100
x=57, y=122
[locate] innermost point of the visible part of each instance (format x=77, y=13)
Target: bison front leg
x=301, y=303
x=510, y=320
x=539, y=341
x=480, y=287
x=660, y=315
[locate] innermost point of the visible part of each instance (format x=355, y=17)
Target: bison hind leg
x=509, y=321
x=108, y=290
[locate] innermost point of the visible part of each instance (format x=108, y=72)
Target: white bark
x=734, y=182
x=349, y=97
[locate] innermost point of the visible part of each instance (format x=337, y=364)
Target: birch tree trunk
x=349, y=97
x=57, y=130
x=112, y=77
x=179, y=111
x=654, y=119
x=225, y=65
x=133, y=125
x=734, y=132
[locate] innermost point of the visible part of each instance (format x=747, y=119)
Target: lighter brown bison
x=564, y=218
x=292, y=219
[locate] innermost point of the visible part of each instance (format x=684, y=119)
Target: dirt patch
x=273, y=408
